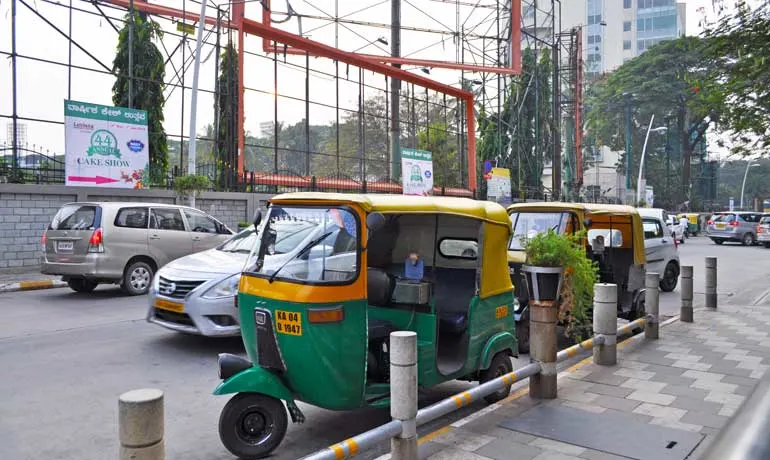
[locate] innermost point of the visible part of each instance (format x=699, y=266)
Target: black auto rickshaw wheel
x=252, y=425
x=501, y=365
x=522, y=336
x=670, y=278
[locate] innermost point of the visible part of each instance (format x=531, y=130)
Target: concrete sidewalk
x=29, y=281
x=693, y=379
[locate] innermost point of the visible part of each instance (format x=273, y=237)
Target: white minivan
x=661, y=251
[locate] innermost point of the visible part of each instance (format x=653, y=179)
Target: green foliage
x=673, y=81
x=520, y=136
x=226, y=108
x=184, y=186
x=551, y=249
x=149, y=73
x=435, y=139
x=740, y=46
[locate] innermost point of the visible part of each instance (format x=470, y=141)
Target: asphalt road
x=65, y=358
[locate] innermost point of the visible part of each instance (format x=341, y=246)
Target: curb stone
x=32, y=285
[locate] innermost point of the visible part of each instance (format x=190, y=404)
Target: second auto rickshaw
x=316, y=326
x=615, y=240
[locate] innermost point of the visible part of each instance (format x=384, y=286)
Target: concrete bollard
x=140, y=421
x=606, y=323
x=711, y=282
x=652, y=306
x=685, y=315
x=543, y=316
x=403, y=393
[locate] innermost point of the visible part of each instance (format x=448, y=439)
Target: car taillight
x=96, y=243
x=44, y=239
x=711, y=222
x=733, y=223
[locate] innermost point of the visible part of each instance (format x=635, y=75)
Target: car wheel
x=748, y=239
x=717, y=241
x=82, y=285
x=670, y=277
x=252, y=425
x=137, y=278
x=501, y=365
x=767, y=245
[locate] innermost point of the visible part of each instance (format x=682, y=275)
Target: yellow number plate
x=288, y=322
x=170, y=306
x=501, y=311
x=720, y=226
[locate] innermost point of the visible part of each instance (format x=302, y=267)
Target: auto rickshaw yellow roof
x=593, y=208
x=406, y=204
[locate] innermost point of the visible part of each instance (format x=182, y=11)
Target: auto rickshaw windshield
x=526, y=225
x=307, y=244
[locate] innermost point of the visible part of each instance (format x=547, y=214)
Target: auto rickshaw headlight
x=228, y=287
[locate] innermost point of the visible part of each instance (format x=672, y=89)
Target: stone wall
x=26, y=210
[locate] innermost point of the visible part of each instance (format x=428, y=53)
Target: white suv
x=661, y=251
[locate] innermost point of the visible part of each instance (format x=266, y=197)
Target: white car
x=670, y=221
x=661, y=251
x=678, y=230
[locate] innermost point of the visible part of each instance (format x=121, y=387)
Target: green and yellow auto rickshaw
x=615, y=241
x=316, y=324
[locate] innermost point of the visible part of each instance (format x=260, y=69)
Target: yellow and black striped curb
x=32, y=285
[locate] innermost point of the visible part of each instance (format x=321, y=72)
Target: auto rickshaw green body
x=321, y=342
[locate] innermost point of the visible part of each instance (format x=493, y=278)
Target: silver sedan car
x=196, y=294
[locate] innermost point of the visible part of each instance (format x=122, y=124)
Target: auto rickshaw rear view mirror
x=257, y=218
x=375, y=221
x=588, y=222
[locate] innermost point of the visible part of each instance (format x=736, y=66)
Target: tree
x=435, y=139
x=740, y=45
x=226, y=110
x=148, y=82
x=671, y=79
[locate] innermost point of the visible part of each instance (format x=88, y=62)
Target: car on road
x=676, y=230
x=738, y=226
x=195, y=294
x=661, y=251
x=125, y=243
x=763, y=231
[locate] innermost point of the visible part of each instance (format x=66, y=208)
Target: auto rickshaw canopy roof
x=405, y=204
x=600, y=213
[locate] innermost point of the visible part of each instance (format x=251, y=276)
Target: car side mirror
x=375, y=221
x=257, y=218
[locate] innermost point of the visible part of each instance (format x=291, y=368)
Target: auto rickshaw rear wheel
x=501, y=365
x=522, y=336
x=252, y=425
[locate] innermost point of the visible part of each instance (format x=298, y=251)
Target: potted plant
x=557, y=267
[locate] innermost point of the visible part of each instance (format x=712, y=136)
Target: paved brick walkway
x=694, y=378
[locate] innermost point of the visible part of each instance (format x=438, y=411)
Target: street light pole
x=627, y=97
x=644, y=151
x=745, y=175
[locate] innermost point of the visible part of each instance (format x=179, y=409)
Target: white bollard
x=403, y=393
x=711, y=282
x=140, y=420
x=606, y=323
x=685, y=315
x=651, y=305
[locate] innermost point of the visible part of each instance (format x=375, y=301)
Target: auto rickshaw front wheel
x=501, y=365
x=252, y=425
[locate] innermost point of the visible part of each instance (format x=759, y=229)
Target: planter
x=544, y=283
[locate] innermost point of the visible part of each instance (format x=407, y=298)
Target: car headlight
x=156, y=283
x=228, y=287
x=516, y=306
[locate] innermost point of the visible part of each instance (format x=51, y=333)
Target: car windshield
x=724, y=218
x=528, y=224
x=241, y=243
x=313, y=244
x=74, y=217
x=765, y=220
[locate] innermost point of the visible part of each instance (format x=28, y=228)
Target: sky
x=42, y=87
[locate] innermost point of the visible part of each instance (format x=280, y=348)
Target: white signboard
x=105, y=146
x=649, y=196
x=417, y=172
x=499, y=186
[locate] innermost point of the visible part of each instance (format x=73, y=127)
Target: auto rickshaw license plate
x=288, y=322
x=170, y=306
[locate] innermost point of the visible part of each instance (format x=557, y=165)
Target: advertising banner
x=417, y=172
x=499, y=186
x=105, y=146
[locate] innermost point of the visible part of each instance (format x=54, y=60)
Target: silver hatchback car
x=733, y=226
x=123, y=243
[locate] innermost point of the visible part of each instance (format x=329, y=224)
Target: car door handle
x=664, y=241
x=196, y=238
x=154, y=237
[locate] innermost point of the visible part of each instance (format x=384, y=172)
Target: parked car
x=661, y=252
x=196, y=294
x=733, y=226
x=676, y=230
x=123, y=243
x=763, y=231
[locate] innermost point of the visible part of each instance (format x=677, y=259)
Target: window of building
x=626, y=44
x=594, y=39
x=626, y=26
x=594, y=19
x=640, y=46
x=626, y=4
